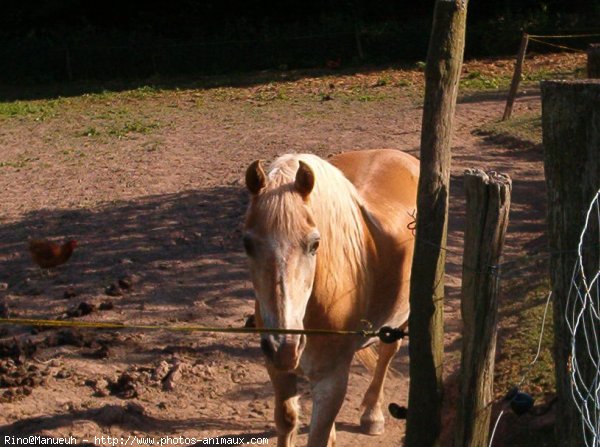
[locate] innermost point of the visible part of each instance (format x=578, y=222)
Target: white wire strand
x=495, y=427
x=582, y=315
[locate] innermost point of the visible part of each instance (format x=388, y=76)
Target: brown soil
x=149, y=183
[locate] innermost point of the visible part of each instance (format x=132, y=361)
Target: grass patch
x=146, y=91
x=143, y=92
x=520, y=344
x=40, y=110
x=18, y=164
x=113, y=113
x=363, y=93
x=526, y=128
x=476, y=80
x=133, y=126
x=121, y=129
x=270, y=92
x=90, y=132
x=519, y=339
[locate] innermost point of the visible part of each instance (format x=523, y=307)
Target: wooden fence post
x=571, y=139
x=426, y=320
x=593, y=61
x=488, y=205
x=516, y=80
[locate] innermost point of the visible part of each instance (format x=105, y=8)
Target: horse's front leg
x=328, y=395
x=372, y=420
x=286, y=406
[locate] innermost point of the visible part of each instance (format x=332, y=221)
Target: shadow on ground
x=77, y=88
x=129, y=417
x=179, y=248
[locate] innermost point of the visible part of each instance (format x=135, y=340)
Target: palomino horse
x=329, y=245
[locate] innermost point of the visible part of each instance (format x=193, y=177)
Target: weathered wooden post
x=426, y=321
x=516, y=80
x=593, y=61
x=571, y=139
x=488, y=205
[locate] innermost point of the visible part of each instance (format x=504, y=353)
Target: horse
x=329, y=244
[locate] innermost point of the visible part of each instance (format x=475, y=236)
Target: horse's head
x=281, y=241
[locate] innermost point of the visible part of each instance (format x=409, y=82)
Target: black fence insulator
x=397, y=411
x=520, y=402
x=390, y=335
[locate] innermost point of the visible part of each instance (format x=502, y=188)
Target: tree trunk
x=571, y=137
x=426, y=321
x=593, y=61
x=488, y=204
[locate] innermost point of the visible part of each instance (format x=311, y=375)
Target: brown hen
x=48, y=254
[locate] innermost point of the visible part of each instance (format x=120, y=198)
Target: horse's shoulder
x=386, y=180
x=381, y=173
x=357, y=165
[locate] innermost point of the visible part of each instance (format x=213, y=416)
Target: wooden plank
x=488, y=205
x=426, y=320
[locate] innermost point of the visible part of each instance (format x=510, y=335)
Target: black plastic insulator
x=397, y=411
x=520, y=402
x=390, y=335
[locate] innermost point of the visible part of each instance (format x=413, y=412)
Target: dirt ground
x=149, y=182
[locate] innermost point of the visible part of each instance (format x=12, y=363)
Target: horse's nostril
x=267, y=348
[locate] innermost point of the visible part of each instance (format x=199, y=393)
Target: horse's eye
x=313, y=246
x=248, y=245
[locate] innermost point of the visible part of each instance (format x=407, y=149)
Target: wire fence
x=543, y=40
x=582, y=315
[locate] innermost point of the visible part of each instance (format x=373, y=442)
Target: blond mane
x=335, y=206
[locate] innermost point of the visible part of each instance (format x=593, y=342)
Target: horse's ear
x=255, y=177
x=305, y=180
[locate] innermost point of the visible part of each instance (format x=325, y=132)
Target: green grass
x=18, y=164
x=517, y=348
x=133, y=126
x=478, y=81
x=475, y=80
x=383, y=80
x=525, y=128
x=546, y=73
x=520, y=344
x=143, y=92
x=270, y=92
x=363, y=93
x=90, y=132
x=40, y=110
x=121, y=128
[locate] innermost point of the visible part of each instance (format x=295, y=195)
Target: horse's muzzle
x=283, y=351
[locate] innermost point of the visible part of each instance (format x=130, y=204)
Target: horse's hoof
x=372, y=428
